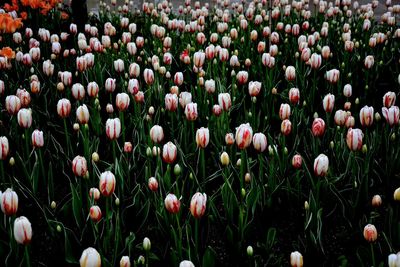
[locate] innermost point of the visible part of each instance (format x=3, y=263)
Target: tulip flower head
x=202, y=137
x=107, y=183
x=169, y=153
x=198, y=205
x=22, y=230
x=296, y=259
x=370, y=233
x=113, y=128
x=4, y=147
x=354, y=139
x=321, y=165
x=244, y=135
x=172, y=203
x=9, y=202
x=90, y=258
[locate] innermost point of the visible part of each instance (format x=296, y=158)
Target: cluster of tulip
x=163, y=124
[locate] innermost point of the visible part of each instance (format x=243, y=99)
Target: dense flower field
x=261, y=133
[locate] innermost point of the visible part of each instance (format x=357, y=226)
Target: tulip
x=354, y=139
x=9, y=202
x=321, y=165
x=24, y=118
x=393, y=260
x=392, y=115
x=169, y=153
x=350, y=122
x=286, y=127
x=191, y=111
x=296, y=259
x=198, y=204
x=290, y=73
x=198, y=59
x=95, y=213
x=148, y=75
x=90, y=258
x=284, y=111
x=202, y=137
x=224, y=159
x=186, y=263
x=332, y=76
x=224, y=100
x=119, y=65
x=82, y=114
x=78, y=91
x=172, y=203
x=37, y=139
x=367, y=116
x=22, y=230
x=13, y=104
x=260, y=142
x=66, y=78
x=325, y=52
x=389, y=99
x=153, y=184
x=297, y=161
x=171, y=102
x=81, y=64
x=340, y=117
x=229, y=139
x=178, y=78
x=244, y=135
x=242, y=77
x=318, y=127
x=113, y=128
x=328, y=103
x=254, y=88
x=156, y=134
x=134, y=70
x=146, y=244
x=34, y=52
x=185, y=98
x=347, y=90
x=63, y=107
x=294, y=95
x=4, y=147
x=370, y=233
x=79, y=166
x=94, y=193
x=369, y=62
x=107, y=183
x=210, y=86
x=110, y=85
x=125, y=262
x=376, y=201
x=48, y=68
x=139, y=97
x=396, y=194
x=268, y=60
x=122, y=101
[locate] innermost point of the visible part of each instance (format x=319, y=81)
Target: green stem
x=372, y=254
x=180, y=237
x=26, y=256
x=196, y=231
x=67, y=138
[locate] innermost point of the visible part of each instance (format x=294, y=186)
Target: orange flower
x=7, y=52
x=23, y=15
x=64, y=15
x=25, y=2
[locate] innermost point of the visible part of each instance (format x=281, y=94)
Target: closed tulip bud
x=82, y=114
x=90, y=258
x=94, y=193
x=9, y=202
x=229, y=139
x=224, y=159
x=107, y=183
x=177, y=170
x=125, y=262
x=79, y=166
x=198, y=205
x=297, y=161
x=25, y=118
x=37, y=139
x=224, y=100
x=354, y=139
x=286, y=127
x=153, y=184
x=156, y=151
x=391, y=115
x=172, y=203
x=328, y=103
x=169, y=153
x=122, y=101
x=186, y=263
x=321, y=165
x=4, y=148
x=113, y=128
x=306, y=205
x=249, y=251
x=22, y=230
x=370, y=233
x=95, y=213
x=367, y=116
x=396, y=194
x=191, y=111
x=290, y=73
x=148, y=75
x=376, y=201
x=294, y=96
x=243, y=136
x=202, y=137
x=393, y=260
x=284, y=111
x=296, y=259
x=146, y=244
x=78, y=91
x=347, y=90
x=259, y=142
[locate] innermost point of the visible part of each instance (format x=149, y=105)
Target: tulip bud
x=95, y=213
x=9, y=202
x=177, y=170
x=172, y=203
x=224, y=159
x=90, y=258
x=22, y=230
x=153, y=184
x=296, y=259
x=249, y=251
x=125, y=262
x=79, y=166
x=107, y=183
x=370, y=233
x=376, y=201
x=321, y=165
x=146, y=244
x=198, y=204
